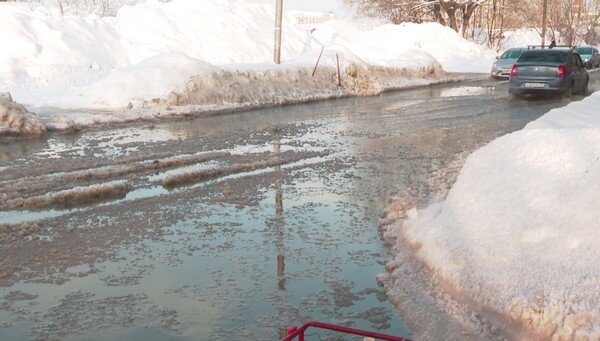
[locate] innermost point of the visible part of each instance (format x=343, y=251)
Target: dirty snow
x=207, y=173
x=16, y=120
x=147, y=54
x=72, y=196
x=49, y=189
x=516, y=238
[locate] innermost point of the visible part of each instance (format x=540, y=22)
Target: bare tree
x=570, y=22
x=456, y=14
x=102, y=8
x=397, y=11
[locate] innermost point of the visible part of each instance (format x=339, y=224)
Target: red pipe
x=294, y=332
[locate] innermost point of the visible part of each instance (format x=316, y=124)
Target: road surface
x=227, y=227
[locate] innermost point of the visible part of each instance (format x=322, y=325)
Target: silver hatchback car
x=549, y=71
x=503, y=64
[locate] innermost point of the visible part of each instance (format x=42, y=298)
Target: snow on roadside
x=516, y=238
x=236, y=90
x=408, y=44
x=149, y=53
x=15, y=120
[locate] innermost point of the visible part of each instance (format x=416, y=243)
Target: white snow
x=150, y=50
x=407, y=45
x=522, y=37
x=517, y=236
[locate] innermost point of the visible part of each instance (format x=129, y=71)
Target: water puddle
x=462, y=91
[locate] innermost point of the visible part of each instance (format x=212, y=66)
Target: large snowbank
x=148, y=51
x=517, y=236
x=408, y=44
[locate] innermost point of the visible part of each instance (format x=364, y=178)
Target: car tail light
x=561, y=72
x=514, y=71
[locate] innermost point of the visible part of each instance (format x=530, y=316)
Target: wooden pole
x=278, y=21
x=544, y=19
x=337, y=57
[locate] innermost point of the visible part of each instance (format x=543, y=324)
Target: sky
x=336, y=6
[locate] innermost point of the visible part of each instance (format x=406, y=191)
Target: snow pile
x=522, y=38
x=148, y=79
x=16, y=120
x=148, y=51
x=408, y=44
x=516, y=238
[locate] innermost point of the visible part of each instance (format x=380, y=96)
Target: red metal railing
x=294, y=332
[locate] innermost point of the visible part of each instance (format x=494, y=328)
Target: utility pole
x=544, y=19
x=278, y=20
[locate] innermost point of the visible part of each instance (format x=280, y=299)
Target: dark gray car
x=549, y=71
x=502, y=65
x=590, y=56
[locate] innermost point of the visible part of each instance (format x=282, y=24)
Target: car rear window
x=512, y=54
x=546, y=56
x=584, y=50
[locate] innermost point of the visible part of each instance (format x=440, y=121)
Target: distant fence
x=304, y=19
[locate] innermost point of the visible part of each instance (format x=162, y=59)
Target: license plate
x=535, y=85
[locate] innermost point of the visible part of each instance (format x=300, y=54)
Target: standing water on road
x=226, y=227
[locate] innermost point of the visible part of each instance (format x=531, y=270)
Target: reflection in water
x=12, y=149
x=279, y=225
x=278, y=175
x=467, y=91
x=279, y=220
x=281, y=272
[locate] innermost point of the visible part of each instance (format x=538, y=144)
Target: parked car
x=590, y=56
x=549, y=71
x=502, y=65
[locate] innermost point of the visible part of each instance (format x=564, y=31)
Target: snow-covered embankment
x=515, y=242
x=215, y=55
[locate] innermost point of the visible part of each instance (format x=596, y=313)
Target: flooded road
x=226, y=227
